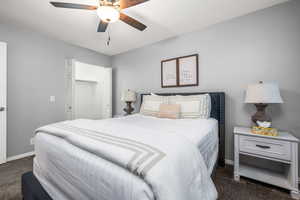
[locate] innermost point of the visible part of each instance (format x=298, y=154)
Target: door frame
x=3, y=102
x=107, y=107
x=70, y=88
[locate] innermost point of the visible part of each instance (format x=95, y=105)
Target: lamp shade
x=263, y=93
x=128, y=96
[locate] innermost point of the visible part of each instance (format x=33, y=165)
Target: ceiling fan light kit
x=108, y=14
x=109, y=11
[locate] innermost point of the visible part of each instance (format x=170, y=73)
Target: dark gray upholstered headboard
x=217, y=112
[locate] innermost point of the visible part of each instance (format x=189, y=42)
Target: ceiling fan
x=109, y=11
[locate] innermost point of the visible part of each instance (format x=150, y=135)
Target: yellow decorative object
x=264, y=131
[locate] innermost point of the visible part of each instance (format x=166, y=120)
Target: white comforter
x=169, y=163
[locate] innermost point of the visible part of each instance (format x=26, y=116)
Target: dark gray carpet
x=246, y=189
x=10, y=178
x=10, y=185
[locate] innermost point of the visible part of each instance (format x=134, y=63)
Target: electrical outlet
x=32, y=141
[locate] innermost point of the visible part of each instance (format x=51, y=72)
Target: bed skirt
x=32, y=189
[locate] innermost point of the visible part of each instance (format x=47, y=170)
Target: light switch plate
x=32, y=141
x=52, y=99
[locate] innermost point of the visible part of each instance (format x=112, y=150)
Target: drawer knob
x=263, y=147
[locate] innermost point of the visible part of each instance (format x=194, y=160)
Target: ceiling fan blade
x=132, y=22
x=129, y=3
x=73, y=5
x=102, y=26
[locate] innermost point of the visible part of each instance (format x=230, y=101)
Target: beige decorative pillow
x=171, y=111
x=193, y=106
x=151, y=104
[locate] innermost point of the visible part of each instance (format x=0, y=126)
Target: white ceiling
x=164, y=18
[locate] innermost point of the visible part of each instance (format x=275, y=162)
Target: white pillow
x=193, y=106
x=151, y=104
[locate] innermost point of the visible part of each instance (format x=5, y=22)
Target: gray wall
x=35, y=72
x=261, y=46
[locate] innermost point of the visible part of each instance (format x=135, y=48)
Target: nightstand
x=282, y=149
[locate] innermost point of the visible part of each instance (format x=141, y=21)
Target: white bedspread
x=175, y=170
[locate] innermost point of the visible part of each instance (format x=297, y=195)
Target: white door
x=87, y=104
x=3, y=74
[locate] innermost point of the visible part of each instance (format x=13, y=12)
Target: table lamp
x=128, y=97
x=261, y=95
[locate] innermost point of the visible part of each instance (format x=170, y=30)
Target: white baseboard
x=231, y=162
x=17, y=157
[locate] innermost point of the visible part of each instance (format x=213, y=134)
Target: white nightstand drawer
x=266, y=147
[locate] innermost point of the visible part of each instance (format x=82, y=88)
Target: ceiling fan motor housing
x=114, y=3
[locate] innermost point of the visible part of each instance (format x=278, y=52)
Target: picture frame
x=180, y=72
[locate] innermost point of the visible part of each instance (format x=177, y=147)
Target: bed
x=64, y=171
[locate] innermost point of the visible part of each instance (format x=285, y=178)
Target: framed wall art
x=180, y=72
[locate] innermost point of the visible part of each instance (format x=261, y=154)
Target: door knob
x=2, y=109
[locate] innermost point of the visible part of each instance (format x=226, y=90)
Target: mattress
x=67, y=172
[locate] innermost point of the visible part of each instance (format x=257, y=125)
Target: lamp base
x=129, y=109
x=260, y=114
